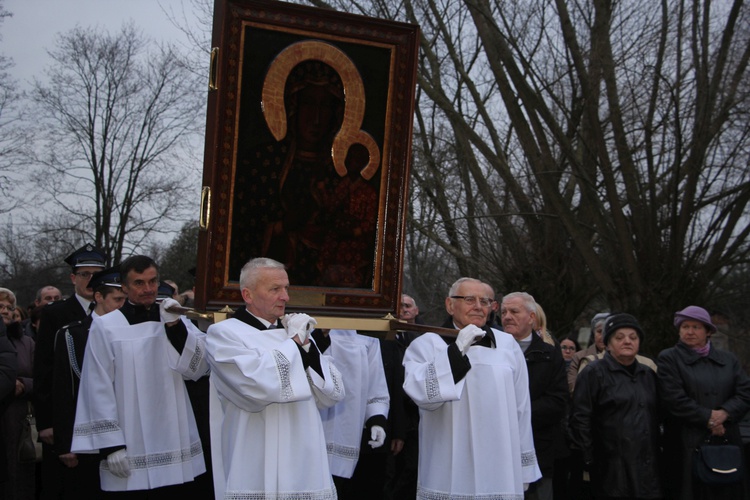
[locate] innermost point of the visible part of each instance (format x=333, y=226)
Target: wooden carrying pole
x=387, y=325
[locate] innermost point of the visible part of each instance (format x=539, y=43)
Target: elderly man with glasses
x=475, y=438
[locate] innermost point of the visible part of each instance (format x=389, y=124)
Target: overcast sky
x=31, y=31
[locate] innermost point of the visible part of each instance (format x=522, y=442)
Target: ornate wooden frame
x=256, y=44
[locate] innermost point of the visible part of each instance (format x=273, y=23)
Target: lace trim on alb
x=96, y=427
x=197, y=357
x=347, y=452
x=294, y=495
x=425, y=494
x=432, y=385
x=328, y=494
x=528, y=458
x=283, y=366
x=161, y=459
x=336, y=376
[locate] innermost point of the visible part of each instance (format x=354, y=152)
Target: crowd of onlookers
x=499, y=408
x=632, y=426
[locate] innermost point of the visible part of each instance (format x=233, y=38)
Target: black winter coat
x=8, y=374
x=55, y=315
x=615, y=423
x=548, y=391
x=70, y=346
x=690, y=386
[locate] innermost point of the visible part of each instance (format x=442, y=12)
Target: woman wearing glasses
x=569, y=346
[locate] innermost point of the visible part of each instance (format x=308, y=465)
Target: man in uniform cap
x=84, y=262
x=165, y=291
x=80, y=478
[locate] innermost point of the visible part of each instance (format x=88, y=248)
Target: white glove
x=298, y=324
x=377, y=434
x=467, y=336
x=166, y=316
x=118, y=463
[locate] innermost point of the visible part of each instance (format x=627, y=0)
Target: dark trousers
x=82, y=481
x=52, y=474
x=185, y=490
x=401, y=482
x=367, y=481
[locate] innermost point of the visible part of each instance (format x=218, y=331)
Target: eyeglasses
x=85, y=274
x=472, y=300
x=4, y=307
x=568, y=348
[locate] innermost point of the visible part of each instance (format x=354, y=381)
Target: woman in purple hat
x=704, y=391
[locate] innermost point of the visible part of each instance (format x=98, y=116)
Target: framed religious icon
x=307, y=155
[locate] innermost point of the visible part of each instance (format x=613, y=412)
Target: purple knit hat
x=695, y=313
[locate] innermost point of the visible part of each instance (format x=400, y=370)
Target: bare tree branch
x=116, y=119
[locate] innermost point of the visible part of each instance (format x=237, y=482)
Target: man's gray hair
x=41, y=290
x=528, y=300
x=459, y=281
x=251, y=270
x=407, y=295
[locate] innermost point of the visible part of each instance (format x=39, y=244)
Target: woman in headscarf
x=705, y=392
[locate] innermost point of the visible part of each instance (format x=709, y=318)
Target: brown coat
x=574, y=364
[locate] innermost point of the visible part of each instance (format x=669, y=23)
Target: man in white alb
x=133, y=406
x=355, y=426
x=271, y=381
x=475, y=438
